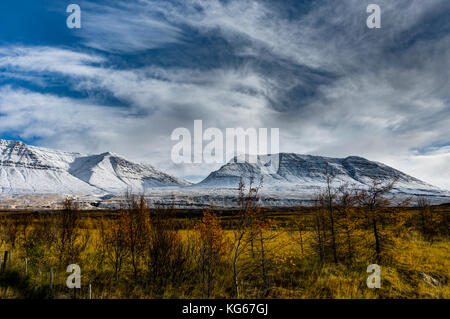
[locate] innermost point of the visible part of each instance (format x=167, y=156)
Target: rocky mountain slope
x=28, y=169
x=32, y=176
x=293, y=171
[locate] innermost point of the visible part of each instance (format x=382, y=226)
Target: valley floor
x=192, y=254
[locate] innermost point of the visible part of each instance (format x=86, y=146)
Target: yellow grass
x=293, y=274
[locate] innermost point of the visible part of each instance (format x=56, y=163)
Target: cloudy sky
x=136, y=70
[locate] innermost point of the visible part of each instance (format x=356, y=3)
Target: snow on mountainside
x=38, y=177
x=289, y=171
x=29, y=169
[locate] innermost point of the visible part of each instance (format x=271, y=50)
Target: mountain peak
x=30, y=169
x=110, y=154
x=11, y=142
x=297, y=170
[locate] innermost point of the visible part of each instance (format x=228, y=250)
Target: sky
x=136, y=70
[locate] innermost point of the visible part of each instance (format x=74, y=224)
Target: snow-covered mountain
x=30, y=176
x=28, y=169
x=284, y=172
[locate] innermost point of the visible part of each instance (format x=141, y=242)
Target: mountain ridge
x=31, y=169
x=28, y=169
x=291, y=169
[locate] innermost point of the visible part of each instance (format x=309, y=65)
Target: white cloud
x=142, y=130
x=48, y=59
x=432, y=168
x=380, y=105
x=124, y=27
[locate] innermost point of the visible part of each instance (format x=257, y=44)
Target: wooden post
x=10, y=257
x=90, y=292
x=25, y=267
x=51, y=277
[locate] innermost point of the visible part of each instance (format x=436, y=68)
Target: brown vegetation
x=317, y=252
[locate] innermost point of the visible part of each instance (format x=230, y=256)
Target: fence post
x=90, y=291
x=10, y=257
x=25, y=266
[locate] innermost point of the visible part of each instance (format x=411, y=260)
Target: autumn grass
x=294, y=271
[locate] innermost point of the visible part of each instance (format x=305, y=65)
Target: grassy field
x=252, y=253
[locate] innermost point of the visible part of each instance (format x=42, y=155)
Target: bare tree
x=319, y=240
x=300, y=227
x=166, y=254
x=265, y=235
x=329, y=198
x=136, y=228
x=69, y=240
x=373, y=202
x=245, y=217
x=424, y=212
x=432, y=222
x=211, y=247
x=347, y=221
x=115, y=243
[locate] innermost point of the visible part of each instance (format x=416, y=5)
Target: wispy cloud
x=47, y=59
x=125, y=27
x=333, y=86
